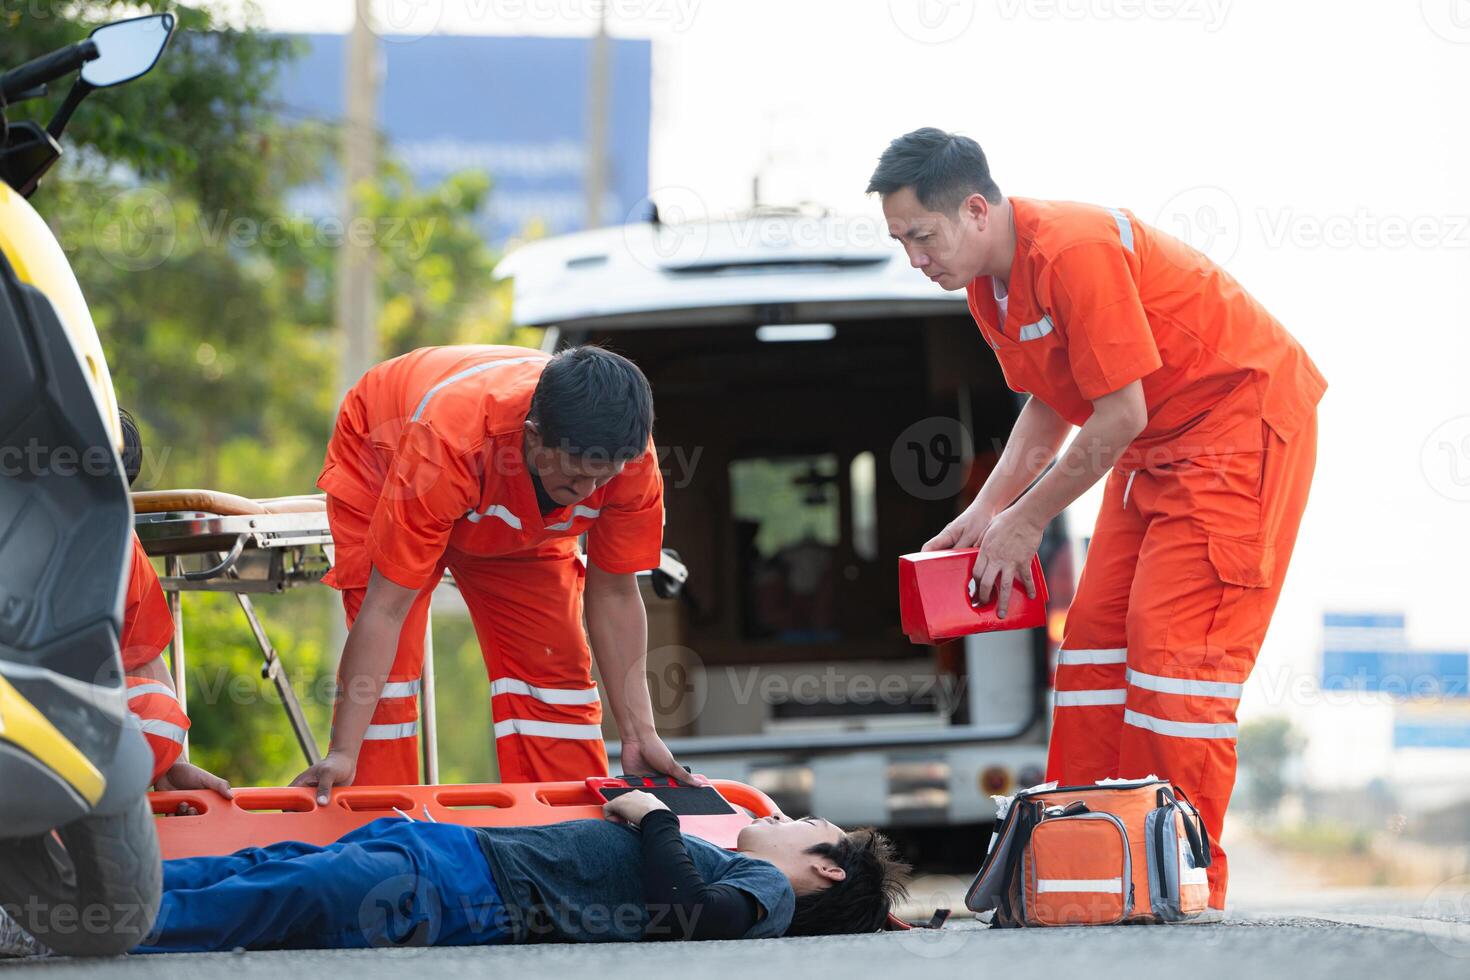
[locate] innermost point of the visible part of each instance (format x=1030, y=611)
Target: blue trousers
x=393, y=882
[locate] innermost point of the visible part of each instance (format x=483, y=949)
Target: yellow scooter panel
x=39, y=261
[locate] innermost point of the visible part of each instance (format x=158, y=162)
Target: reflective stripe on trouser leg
x=1087, y=721
x=390, y=746
x=1087, y=714
x=1206, y=593
x=528, y=617
x=547, y=734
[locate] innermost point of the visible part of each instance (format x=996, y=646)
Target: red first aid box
x=935, y=604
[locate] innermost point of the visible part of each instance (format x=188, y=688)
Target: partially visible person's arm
x=366, y=659
x=183, y=774
x=617, y=628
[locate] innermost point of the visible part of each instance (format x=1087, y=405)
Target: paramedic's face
x=565, y=477
x=948, y=248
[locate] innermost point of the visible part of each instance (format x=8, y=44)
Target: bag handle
x=1199, y=837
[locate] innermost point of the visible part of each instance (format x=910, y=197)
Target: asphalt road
x=1241, y=948
x=1281, y=925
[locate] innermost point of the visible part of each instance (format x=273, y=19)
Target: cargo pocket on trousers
x=1245, y=568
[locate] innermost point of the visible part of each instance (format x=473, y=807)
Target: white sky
x=1320, y=149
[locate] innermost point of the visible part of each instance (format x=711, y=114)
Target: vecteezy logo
x=928, y=458
x=678, y=237
x=135, y=230
x=932, y=21
x=1205, y=218
x=1450, y=19
x=404, y=20
x=1445, y=459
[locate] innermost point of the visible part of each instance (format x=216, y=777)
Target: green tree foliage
x=1267, y=749
x=213, y=296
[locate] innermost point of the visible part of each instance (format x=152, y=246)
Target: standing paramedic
x=492, y=462
x=1197, y=407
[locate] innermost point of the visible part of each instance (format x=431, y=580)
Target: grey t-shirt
x=582, y=881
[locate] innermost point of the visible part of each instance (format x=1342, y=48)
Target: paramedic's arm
x=366, y=659
x=1015, y=533
x=617, y=627
x=182, y=774
x=1034, y=441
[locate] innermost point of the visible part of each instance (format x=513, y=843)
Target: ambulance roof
x=785, y=266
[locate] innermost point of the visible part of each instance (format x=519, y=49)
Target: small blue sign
x=1432, y=733
x=1406, y=674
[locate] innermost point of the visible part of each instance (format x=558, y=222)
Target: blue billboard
x=1443, y=732
x=1370, y=652
x=514, y=107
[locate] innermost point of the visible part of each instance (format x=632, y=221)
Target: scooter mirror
x=127, y=49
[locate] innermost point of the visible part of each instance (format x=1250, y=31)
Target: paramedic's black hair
x=942, y=168
x=861, y=901
x=132, y=450
x=592, y=402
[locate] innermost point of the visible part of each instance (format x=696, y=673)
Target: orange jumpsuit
x=425, y=471
x=1199, y=515
x=148, y=627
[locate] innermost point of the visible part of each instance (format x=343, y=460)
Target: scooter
x=79, y=865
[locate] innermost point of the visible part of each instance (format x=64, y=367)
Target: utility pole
x=357, y=307
x=599, y=84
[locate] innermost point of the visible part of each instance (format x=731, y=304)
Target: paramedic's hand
x=183, y=775
x=965, y=531
x=335, y=769
x=631, y=808
x=1006, y=551
x=649, y=755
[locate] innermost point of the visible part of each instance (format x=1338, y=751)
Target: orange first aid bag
x=1112, y=852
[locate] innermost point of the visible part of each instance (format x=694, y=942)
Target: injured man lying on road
x=630, y=877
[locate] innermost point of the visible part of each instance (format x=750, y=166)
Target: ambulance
x=822, y=408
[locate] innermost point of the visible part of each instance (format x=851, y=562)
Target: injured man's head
x=845, y=881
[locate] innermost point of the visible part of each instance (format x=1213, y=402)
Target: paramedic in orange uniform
x=1195, y=405
x=492, y=462
x=147, y=628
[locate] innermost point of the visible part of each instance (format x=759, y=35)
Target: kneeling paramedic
x=1195, y=403
x=398, y=882
x=491, y=462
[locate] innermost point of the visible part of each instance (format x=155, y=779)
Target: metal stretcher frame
x=255, y=547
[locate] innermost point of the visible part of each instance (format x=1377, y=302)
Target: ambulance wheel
x=93, y=893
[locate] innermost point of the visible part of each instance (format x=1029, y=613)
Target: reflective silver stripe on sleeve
x=384, y=733
x=1072, y=658
x=466, y=373
x=1125, y=227
x=163, y=729
x=577, y=511
x=1180, y=685
x=495, y=510
x=548, y=695
x=1180, y=729
x=1037, y=330
x=402, y=689
x=1086, y=699
x=547, y=729
x=152, y=687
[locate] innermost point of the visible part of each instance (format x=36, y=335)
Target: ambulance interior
x=783, y=501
